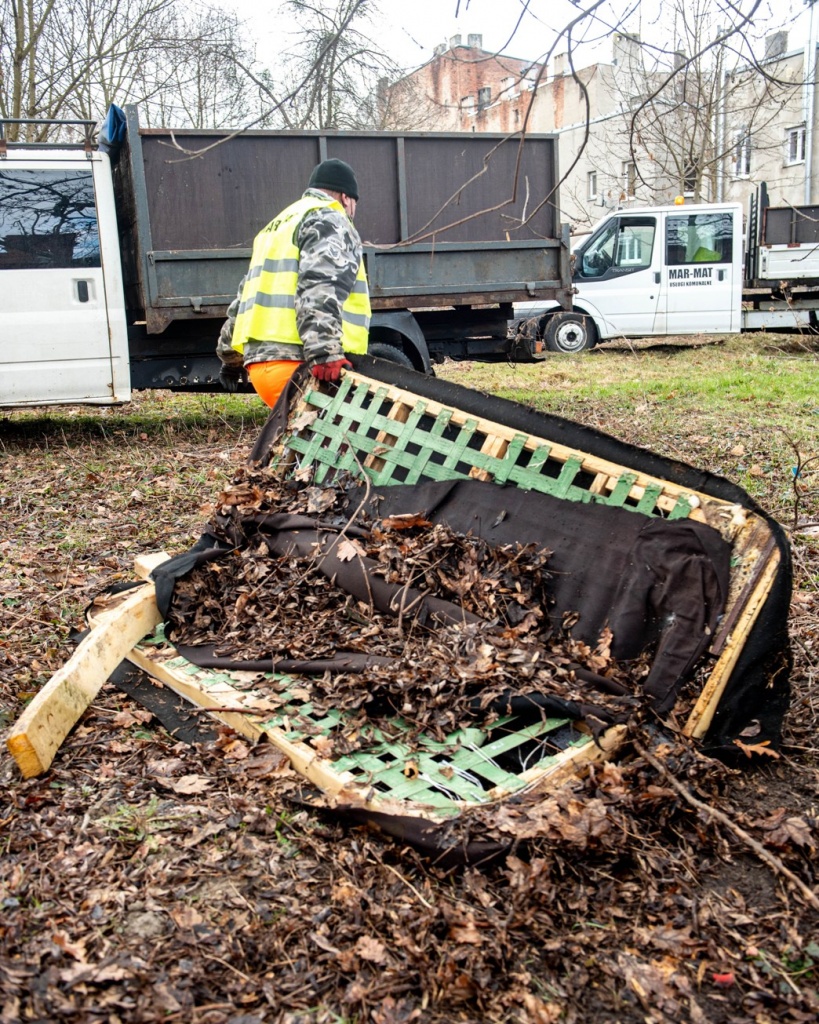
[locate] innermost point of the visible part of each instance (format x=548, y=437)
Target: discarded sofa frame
x=401, y=427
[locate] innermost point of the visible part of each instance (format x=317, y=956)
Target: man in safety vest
x=304, y=297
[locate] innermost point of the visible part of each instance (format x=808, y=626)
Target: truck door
x=702, y=280
x=615, y=276
x=55, y=343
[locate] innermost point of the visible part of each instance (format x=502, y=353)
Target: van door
x=701, y=275
x=616, y=275
x=55, y=342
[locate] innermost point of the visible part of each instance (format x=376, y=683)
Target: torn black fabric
x=654, y=583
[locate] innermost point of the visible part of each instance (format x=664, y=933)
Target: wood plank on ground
x=58, y=706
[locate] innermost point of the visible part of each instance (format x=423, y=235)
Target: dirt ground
x=147, y=879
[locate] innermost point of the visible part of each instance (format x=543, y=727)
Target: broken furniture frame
x=398, y=436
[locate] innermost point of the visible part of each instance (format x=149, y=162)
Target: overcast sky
x=410, y=29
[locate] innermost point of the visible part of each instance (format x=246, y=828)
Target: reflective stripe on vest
x=267, y=309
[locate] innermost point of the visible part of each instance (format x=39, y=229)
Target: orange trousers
x=270, y=379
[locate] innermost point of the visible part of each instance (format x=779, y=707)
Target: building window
x=484, y=97
x=795, y=145
x=690, y=179
x=629, y=179
x=742, y=154
x=591, y=178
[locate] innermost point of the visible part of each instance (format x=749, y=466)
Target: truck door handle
x=721, y=275
x=656, y=277
x=82, y=291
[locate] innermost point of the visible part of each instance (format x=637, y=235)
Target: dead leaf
x=405, y=522
x=348, y=549
x=319, y=499
x=540, y=1012
x=93, y=974
x=323, y=745
x=236, y=750
x=212, y=828
x=129, y=717
x=793, y=832
x=187, y=785
x=371, y=950
x=465, y=930
x=750, y=749
x=73, y=949
x=186, y=918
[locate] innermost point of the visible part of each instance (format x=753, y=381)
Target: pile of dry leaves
x=488, y=639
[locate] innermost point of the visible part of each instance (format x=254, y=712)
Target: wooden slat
x=347, y=781
x=57, y=708
x=590, y=463
x=699, y=721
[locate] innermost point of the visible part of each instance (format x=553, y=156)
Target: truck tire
x=570, y=332
x=381, y=350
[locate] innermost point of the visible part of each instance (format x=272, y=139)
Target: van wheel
x=381, y=350
x=570, y=332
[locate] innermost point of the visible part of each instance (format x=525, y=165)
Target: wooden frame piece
x=57, y=707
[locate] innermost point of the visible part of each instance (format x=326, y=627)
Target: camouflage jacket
x=330, y=255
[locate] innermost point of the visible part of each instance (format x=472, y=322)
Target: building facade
x=631, y=136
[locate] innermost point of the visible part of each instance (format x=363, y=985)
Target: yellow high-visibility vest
x=267, y=309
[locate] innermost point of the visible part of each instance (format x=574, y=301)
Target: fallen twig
x=773, y=862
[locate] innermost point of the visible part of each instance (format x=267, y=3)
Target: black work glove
x=230, y=377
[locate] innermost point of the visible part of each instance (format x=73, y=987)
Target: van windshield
x=622, y=246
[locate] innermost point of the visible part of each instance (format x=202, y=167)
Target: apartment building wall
x=460, y=83
x=755, y=123
x=766, y=130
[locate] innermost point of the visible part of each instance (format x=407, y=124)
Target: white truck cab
x=63, y=333
x=655, y=271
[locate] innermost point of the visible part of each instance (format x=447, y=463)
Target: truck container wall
x=447, y=218
x=783, y=243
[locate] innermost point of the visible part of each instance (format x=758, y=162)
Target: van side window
x=624, y=246
x=48, y=220
x=699, y=238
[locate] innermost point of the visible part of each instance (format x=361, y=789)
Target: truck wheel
x=570, y=332
x=381, y=350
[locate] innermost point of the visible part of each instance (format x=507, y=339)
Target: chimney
x=626, y=51
x=559, y=65
x=454, y=41
x=439, y=50
x=776, y=44
x=475, y=41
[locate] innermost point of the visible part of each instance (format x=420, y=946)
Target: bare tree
x=206, y=82
x=681, y=97
x=69, y=59
x=338, y=65
x=22, y=23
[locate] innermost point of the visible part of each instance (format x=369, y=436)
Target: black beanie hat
x=335, y=175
